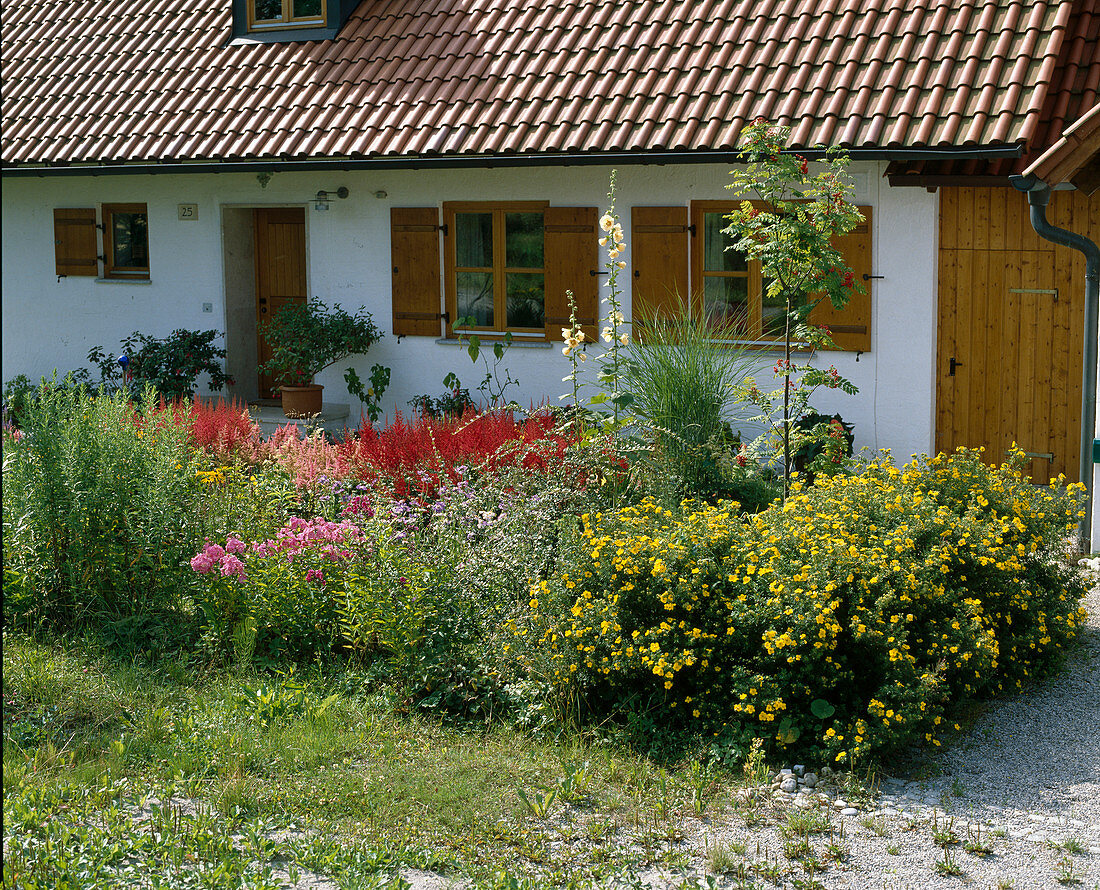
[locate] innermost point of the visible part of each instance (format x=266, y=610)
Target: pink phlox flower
x=233, y=567
x=235, y=546
x=202, y=563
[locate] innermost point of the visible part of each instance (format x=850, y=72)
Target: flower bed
x=846, y=622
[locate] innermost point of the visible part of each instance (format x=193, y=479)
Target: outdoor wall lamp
x=321, y=200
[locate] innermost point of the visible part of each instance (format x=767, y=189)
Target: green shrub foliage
x=99, y=510
x=843, y=624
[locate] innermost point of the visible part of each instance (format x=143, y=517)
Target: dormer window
x=264, y=14
x=288, y=21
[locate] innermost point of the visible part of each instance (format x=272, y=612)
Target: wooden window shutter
x=572, y=263
x=74, y=241
x=851, y=326
x=659, y=252
x=414, y=255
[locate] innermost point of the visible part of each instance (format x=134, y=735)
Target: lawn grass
x=355, y=784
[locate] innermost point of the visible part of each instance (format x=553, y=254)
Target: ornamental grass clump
x=846, y=623
x=682, y=376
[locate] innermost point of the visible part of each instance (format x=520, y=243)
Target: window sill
x=291, y=33
x=123, y=281
x=495, y=338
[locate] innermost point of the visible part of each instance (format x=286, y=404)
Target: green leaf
x=788, y=733
x=821, y=709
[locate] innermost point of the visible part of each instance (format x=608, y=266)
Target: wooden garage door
x=1011, y=327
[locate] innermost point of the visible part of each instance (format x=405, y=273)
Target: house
x=198, y=165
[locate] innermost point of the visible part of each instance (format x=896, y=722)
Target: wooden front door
x=1011, y=328
x=280, y=272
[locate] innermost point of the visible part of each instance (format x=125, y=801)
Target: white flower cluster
x=573, y=338
x=616, y=318
x=615, y=236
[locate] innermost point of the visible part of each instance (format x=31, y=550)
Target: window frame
x=286, y=19
x=110, y=270
x=697, y=212
x=499, y=269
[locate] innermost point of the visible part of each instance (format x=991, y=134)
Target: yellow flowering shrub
x=842, y=623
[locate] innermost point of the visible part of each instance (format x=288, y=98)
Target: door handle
x=952, y=364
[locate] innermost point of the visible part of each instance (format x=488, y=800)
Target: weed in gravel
x=874, y=824
x=1072, y=845
x=725, y=858
x=702, y=784
x=949, y=865
x=804, y=823
x=1067, y=875
x=1006, y=885
x=943, y=832
x=756, y=770
x=538, y=802
x=835, y=852
x=752, y=816
x=860, y=787
x=998, y=833
x=974, y=843
x=799, y=848
x=893, y=850
x=573, y=786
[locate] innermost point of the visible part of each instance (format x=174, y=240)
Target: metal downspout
x=1038, y=196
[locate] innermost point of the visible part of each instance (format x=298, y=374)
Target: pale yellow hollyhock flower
x=603, y=241
x=624, y=339
x=621, y=264
x=566, y=350
x=606, y=222
x=580, y=335
x=566, y=333
x=613, y=253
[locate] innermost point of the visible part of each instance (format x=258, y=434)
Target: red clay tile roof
x=105, y=81
x=1073, y=158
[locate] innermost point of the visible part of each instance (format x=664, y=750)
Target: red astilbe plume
x=224, y=428
x=414, y=457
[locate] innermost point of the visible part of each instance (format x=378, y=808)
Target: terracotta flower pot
x=301, y=401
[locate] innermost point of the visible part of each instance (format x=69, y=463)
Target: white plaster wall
x=50, y=324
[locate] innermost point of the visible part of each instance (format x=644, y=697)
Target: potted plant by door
x=305, y=338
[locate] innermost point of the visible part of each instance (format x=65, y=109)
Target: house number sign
x=188, y=211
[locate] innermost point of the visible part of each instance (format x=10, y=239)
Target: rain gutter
x=1038, y=197
x=607, y=159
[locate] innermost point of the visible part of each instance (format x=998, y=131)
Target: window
x=516, y=264
x=731, y=288
x=264, y=14
x=125, y=241
x=681, y=252
x=495, y=267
